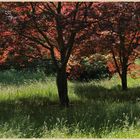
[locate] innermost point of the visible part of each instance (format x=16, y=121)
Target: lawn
x=29, y=107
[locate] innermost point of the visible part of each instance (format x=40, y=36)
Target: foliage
x=119, y=33
x=90, y=67
x=134, y=69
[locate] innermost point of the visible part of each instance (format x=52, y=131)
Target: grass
x=29, y=108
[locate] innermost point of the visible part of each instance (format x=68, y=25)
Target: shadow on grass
x=32, y=117
x=94, y=92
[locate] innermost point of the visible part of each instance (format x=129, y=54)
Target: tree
x=120, y=34
x=58, y=27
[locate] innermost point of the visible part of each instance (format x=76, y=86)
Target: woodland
x=69, y=69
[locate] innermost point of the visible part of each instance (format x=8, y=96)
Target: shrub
x=92, y=67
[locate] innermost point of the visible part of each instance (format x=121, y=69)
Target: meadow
x=29, y=108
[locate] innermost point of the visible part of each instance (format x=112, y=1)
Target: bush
x=88, y=68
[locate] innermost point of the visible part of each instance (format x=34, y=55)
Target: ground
x=29, y=107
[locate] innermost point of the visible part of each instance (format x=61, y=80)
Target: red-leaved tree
x=58, y=27
x=119, y=31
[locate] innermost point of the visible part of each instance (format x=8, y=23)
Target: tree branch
x=37, y=27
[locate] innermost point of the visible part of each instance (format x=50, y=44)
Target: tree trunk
x=124, y=78
x=61, y=81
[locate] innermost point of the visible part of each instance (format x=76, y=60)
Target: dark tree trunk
x=124, y=78
x=61, y=81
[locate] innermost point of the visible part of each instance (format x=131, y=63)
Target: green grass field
x=29, y=107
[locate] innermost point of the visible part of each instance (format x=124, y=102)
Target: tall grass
x=29, y=107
